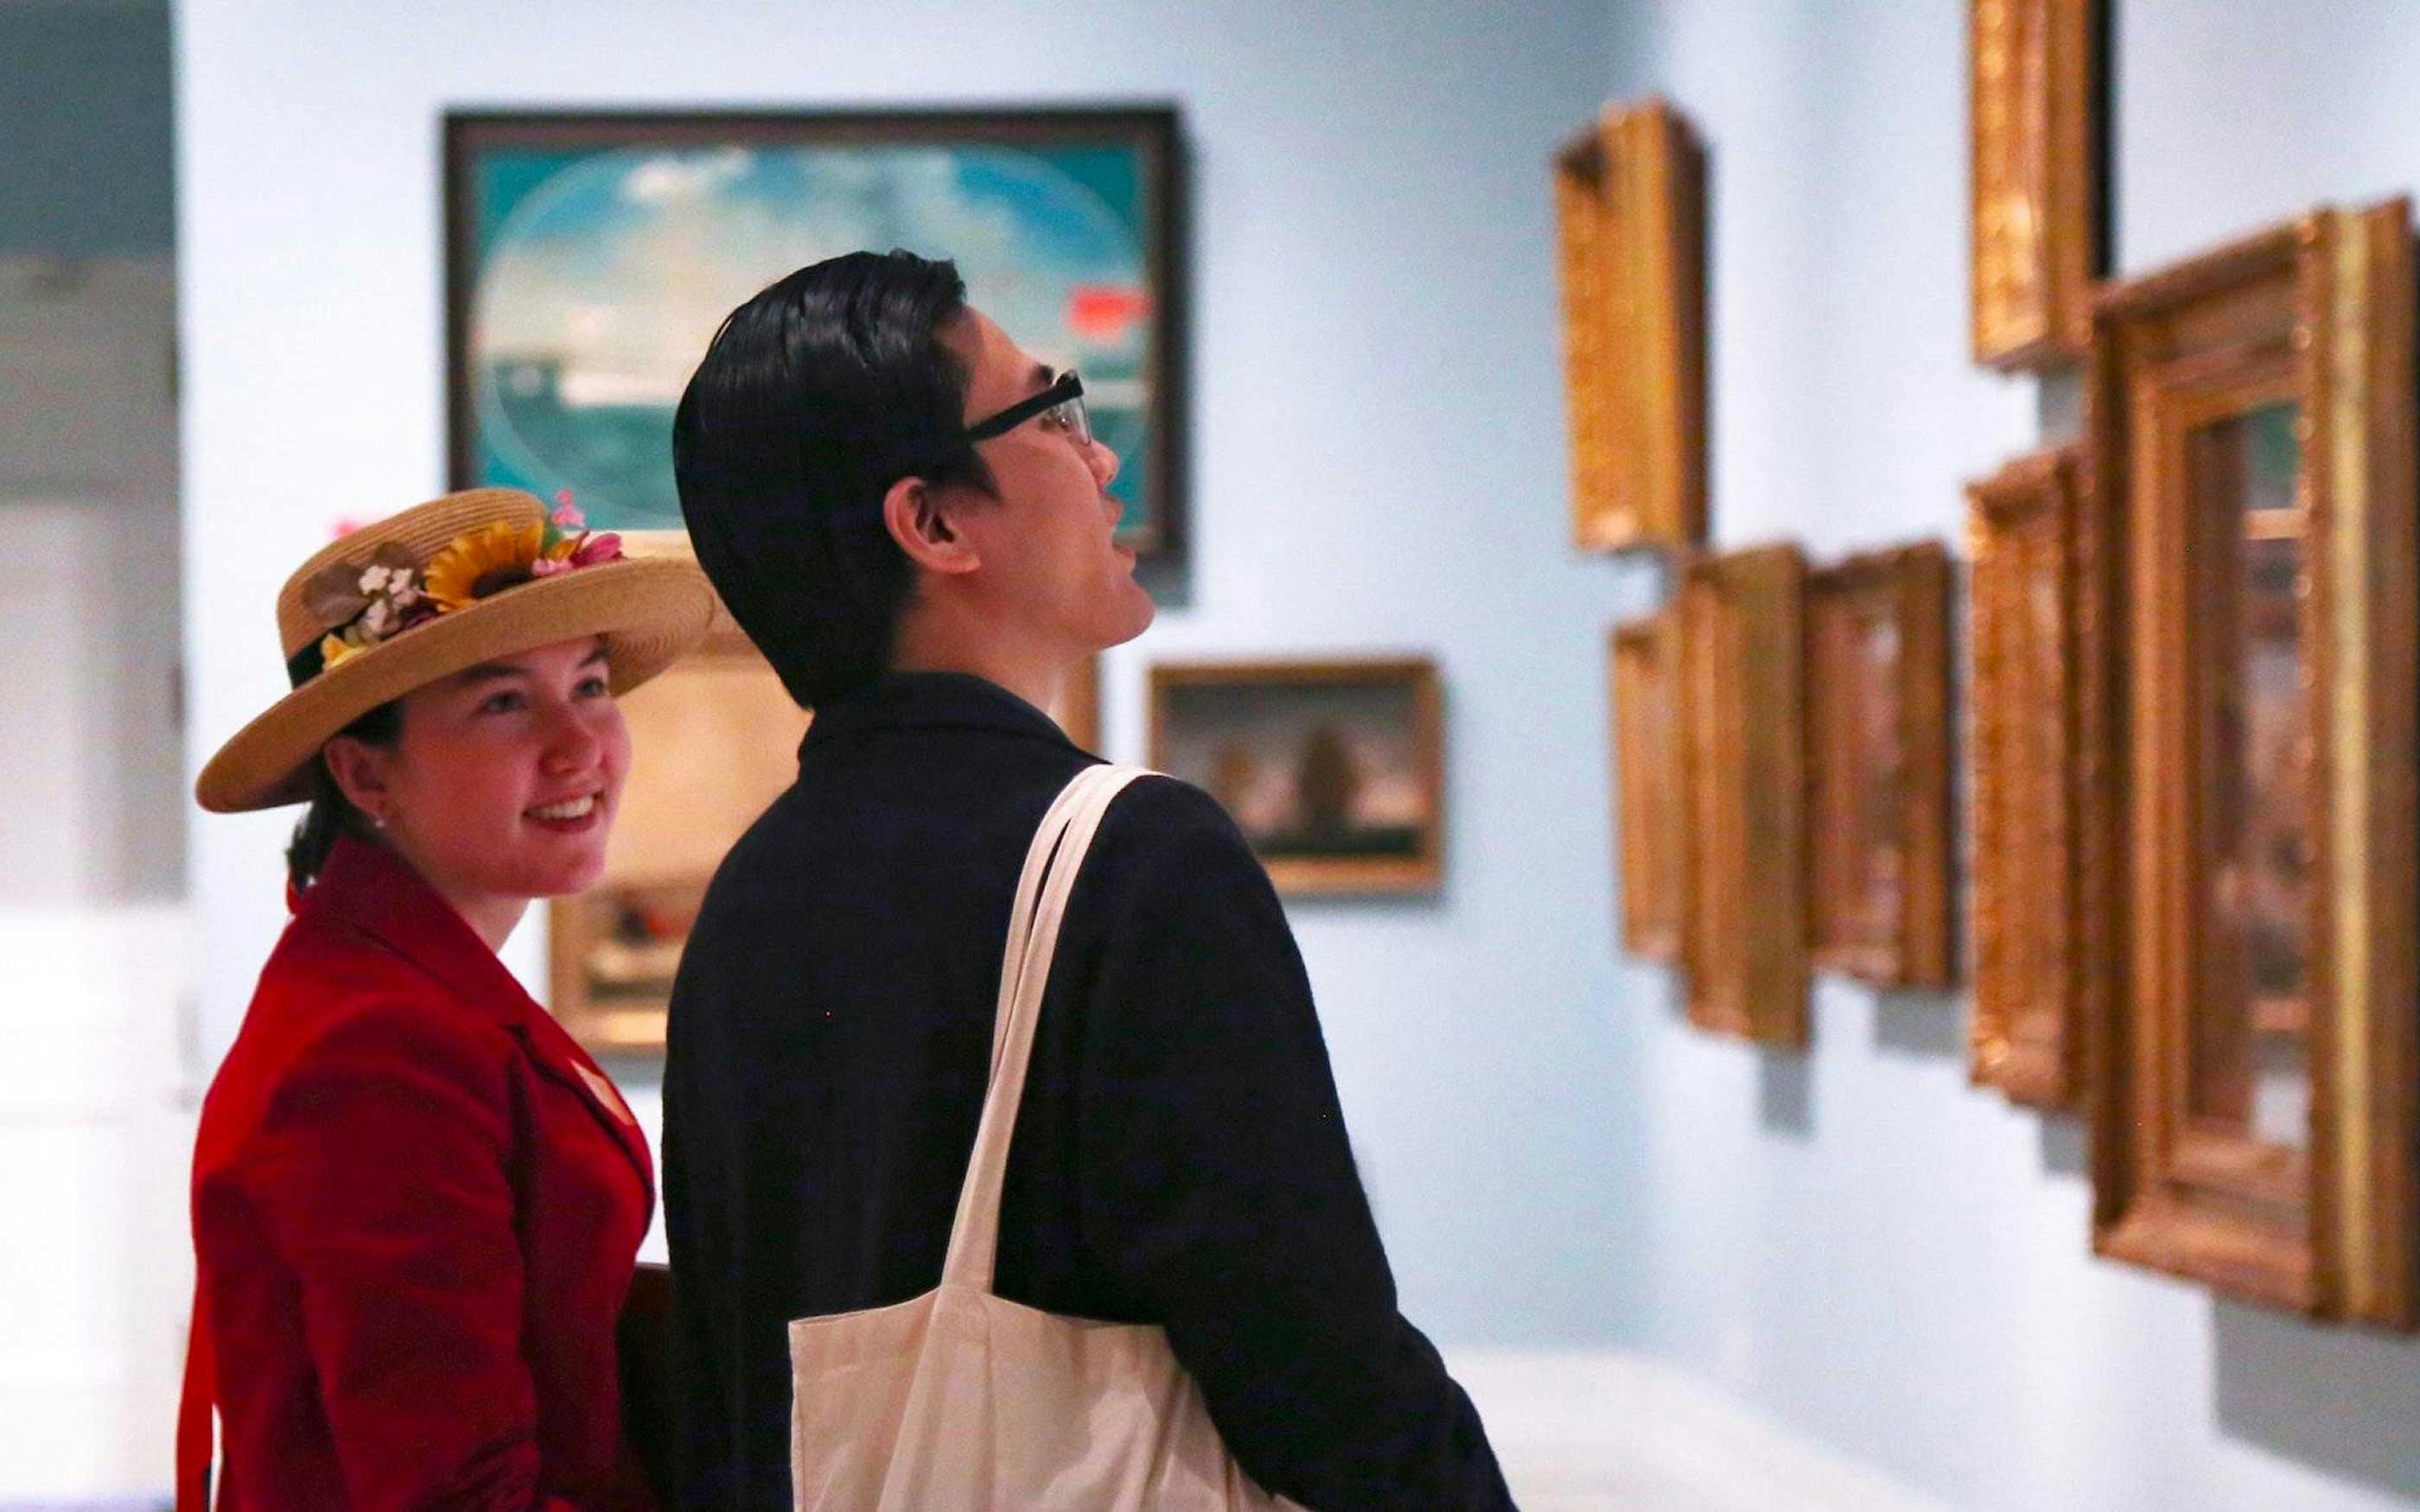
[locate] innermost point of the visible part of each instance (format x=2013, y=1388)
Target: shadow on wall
x=2341, y=1401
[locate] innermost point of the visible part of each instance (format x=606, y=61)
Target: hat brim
x=649, y=610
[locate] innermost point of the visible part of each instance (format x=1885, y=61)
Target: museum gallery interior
x=1813, y=607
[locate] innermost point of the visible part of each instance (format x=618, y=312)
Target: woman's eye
x=500, y=702
x=594, y=688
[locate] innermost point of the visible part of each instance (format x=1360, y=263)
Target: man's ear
x=360, y=771
x=915, y=513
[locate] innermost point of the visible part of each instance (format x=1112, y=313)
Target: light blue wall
x=1377, y=425
x=84, y=128
x=1855, y=1239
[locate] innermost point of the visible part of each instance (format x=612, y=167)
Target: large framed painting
x=1878, y=765
x=714, y=739
x=2038, y=92
x=1744, y=935
x=2042, y=944
x=590, y=258
x=1333, y=770
x=1630, y=212
x=2253, y=427
x=1646, y=676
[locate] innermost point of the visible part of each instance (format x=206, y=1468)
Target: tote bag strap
x=1042, y=892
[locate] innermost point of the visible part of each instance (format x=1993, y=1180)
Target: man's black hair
x=816, y=397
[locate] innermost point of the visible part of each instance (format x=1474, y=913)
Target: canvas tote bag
x=960, y=1400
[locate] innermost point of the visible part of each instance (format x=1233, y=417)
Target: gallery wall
x=83, y=124
x=1378, y=445
x=1854, y=1239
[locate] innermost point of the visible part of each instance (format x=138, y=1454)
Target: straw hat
x=439, y=587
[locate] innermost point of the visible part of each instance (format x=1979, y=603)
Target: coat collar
x=931, y=700
x=376, y=891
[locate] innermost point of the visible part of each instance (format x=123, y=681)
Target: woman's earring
x=377, y=821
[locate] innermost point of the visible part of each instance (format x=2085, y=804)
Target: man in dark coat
x=910, y=516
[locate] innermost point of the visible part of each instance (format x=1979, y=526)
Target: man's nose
x=1103, y=462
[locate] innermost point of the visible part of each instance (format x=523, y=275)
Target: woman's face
x=505, y=781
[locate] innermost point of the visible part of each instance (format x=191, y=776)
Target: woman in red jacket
x=416, y=1202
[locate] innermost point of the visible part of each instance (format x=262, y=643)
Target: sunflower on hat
x=489, y=572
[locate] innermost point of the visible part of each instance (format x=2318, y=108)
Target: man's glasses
x=1060, y=407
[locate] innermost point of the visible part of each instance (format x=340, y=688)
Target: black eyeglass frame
x=1068, y=389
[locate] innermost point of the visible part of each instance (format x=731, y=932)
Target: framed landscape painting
x=1333, y=770
x=714, y=740
x=590, y=258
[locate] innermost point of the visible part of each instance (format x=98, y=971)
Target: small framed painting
x=1646, y=659
x=1878, y=756
x=1743, y=935
x=714, y=739
x=1334, y=769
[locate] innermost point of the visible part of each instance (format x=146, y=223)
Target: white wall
x=1377, y=430
x=1855, y=1239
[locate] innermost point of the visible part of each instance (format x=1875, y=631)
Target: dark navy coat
x=1180, y=1158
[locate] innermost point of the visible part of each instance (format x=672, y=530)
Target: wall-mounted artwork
x=2041, y=907
x=1878, y=756
x=2253, y=429
x=2035, y=96
x=713, y=741
x=1742, y=728
x=590, y=258
x=1630, y=203
x=1334, y=769
x=1646, y=676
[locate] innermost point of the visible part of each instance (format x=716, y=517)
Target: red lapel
x=379, y=893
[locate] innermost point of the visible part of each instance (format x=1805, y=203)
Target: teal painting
x=592, y=258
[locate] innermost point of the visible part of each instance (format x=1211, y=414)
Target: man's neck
x=931, y=643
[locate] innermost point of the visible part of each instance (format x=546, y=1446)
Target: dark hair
x=331, y=815
x=816, y=397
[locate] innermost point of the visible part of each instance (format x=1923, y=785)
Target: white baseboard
x=1614, y=1430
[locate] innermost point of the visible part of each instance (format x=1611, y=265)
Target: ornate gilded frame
x=2036, y=81
x=1878, y=766
x=1630, y=203
x=1644, y=667
x=2040, y=943
x=1744, y=925
x=2317, y=313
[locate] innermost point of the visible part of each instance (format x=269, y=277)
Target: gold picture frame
x=1644, y=658
x=2042, y=943
x=2035, y=87
x=2253, y=1109
x=1743, y=793
x=714, y=739
x=1333, y=768
x=1630, y=203
x=1878, y=766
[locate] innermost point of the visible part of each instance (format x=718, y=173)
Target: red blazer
x=416, y=1207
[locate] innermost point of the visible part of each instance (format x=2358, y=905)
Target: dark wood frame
x=1630, y=200
x=2038, y=72
x=1909, y=946
x=1312, y=876
x=1643, y=665
x=1743, y=926
x=2043, y=943
x=2319, y=312
x=1154, y=131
